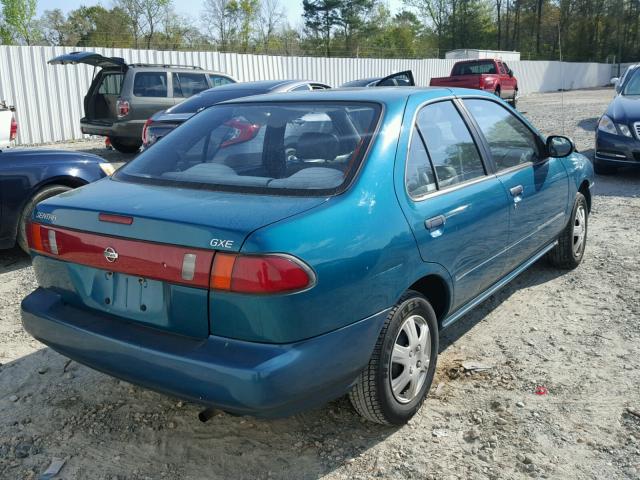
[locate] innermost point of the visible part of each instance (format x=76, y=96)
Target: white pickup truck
x=8, y=125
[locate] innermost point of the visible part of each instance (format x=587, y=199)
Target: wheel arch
x=586, y=191
x=437, y=290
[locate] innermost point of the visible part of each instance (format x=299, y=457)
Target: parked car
x=8, y=125
x=28, y=176
x=619, y=83
x=123, y=96
x=493, y=76
x=164, y=121
x=400, y=79
x=618, y=132
x=325, y=263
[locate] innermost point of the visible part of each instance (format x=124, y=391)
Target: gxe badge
x=110, y=254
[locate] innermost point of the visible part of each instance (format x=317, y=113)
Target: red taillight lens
x=259, y=274
x=242, y=132
x=123, y=108
x=145, y=140
x=13, y=132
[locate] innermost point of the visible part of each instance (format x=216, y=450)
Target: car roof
x=173, y=68
x=266, y=85
x=382, y=94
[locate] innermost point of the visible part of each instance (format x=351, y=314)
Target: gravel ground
x=575, y=333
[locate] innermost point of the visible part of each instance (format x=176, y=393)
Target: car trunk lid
x=143, y=252
x=90, y=58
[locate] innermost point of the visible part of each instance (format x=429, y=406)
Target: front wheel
x=393, y=386
x=568, y=253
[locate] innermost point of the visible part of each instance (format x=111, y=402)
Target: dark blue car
x=618, y=132
x=324, y=259
x=28, y=176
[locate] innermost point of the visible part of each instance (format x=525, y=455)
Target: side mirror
x=614, y=81
x=559, y=146
x=510, y=72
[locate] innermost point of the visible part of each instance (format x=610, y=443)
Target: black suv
x=123, y=96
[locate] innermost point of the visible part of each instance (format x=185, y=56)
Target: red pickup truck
x=490, y=75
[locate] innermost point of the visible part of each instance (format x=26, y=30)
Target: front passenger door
x=538, y=186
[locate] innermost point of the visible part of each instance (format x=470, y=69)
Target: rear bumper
x=269, y=380
x=129, y=129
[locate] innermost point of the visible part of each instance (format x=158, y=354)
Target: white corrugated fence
x=49, y=98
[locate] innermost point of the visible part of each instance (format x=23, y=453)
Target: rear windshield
x=474, y=68
x=206, y=99
x=310, y=148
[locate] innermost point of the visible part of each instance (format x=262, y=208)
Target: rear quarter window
x=150, y=84
x=219, y=80
x=188, y=84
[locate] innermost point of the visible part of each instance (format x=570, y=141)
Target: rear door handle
x=435, y=222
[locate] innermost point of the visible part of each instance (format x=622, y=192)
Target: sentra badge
x=49, y=217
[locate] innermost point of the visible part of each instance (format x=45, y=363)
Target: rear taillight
x=13, y=132
x=145, y=139
x=258, y=274
x=123, y=108
x=42, y=239
x=241, y=132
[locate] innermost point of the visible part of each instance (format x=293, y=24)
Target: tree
x=55, y=28
x=352, y=20
x=20, y=25
x=246, y=14
x=220, y=18
x=321, y=17
x=270, y=19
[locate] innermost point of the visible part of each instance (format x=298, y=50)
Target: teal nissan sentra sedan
x=276, y=252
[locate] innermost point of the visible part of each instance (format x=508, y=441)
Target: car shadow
x=13, y=259
x=588, y=124
x=538, y=273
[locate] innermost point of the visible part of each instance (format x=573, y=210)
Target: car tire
x=373, y=396
x=126, y=146
x=27, y=210
x=568, y=253
x=603, y=169
x=497, y=92
x=514, y=100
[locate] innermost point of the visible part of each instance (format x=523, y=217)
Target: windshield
x=633, y=84
x=310, y=148
x=211, y=97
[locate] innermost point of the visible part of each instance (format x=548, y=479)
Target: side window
x=219, y=80
x=111, y=84
x=510, y=141
x=419, y=176
x=187, y=84
x=150, y=84
x=301, y=88
x=453, y=153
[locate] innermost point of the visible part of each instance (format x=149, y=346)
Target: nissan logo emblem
x=110, y=254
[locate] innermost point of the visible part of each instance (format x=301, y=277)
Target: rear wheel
x=42, y=194
x=125, y=145
x=391, y=389
x=568, y=253
x=514, y=100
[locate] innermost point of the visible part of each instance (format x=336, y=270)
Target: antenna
x=561, y=79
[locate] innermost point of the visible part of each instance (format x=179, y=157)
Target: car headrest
x=315, y=145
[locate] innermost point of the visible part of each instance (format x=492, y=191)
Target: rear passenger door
x=538, y=187
x=150, y=94
x=186, y=84
x=458, y=210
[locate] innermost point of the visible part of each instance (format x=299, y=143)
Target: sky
x=190, y=8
